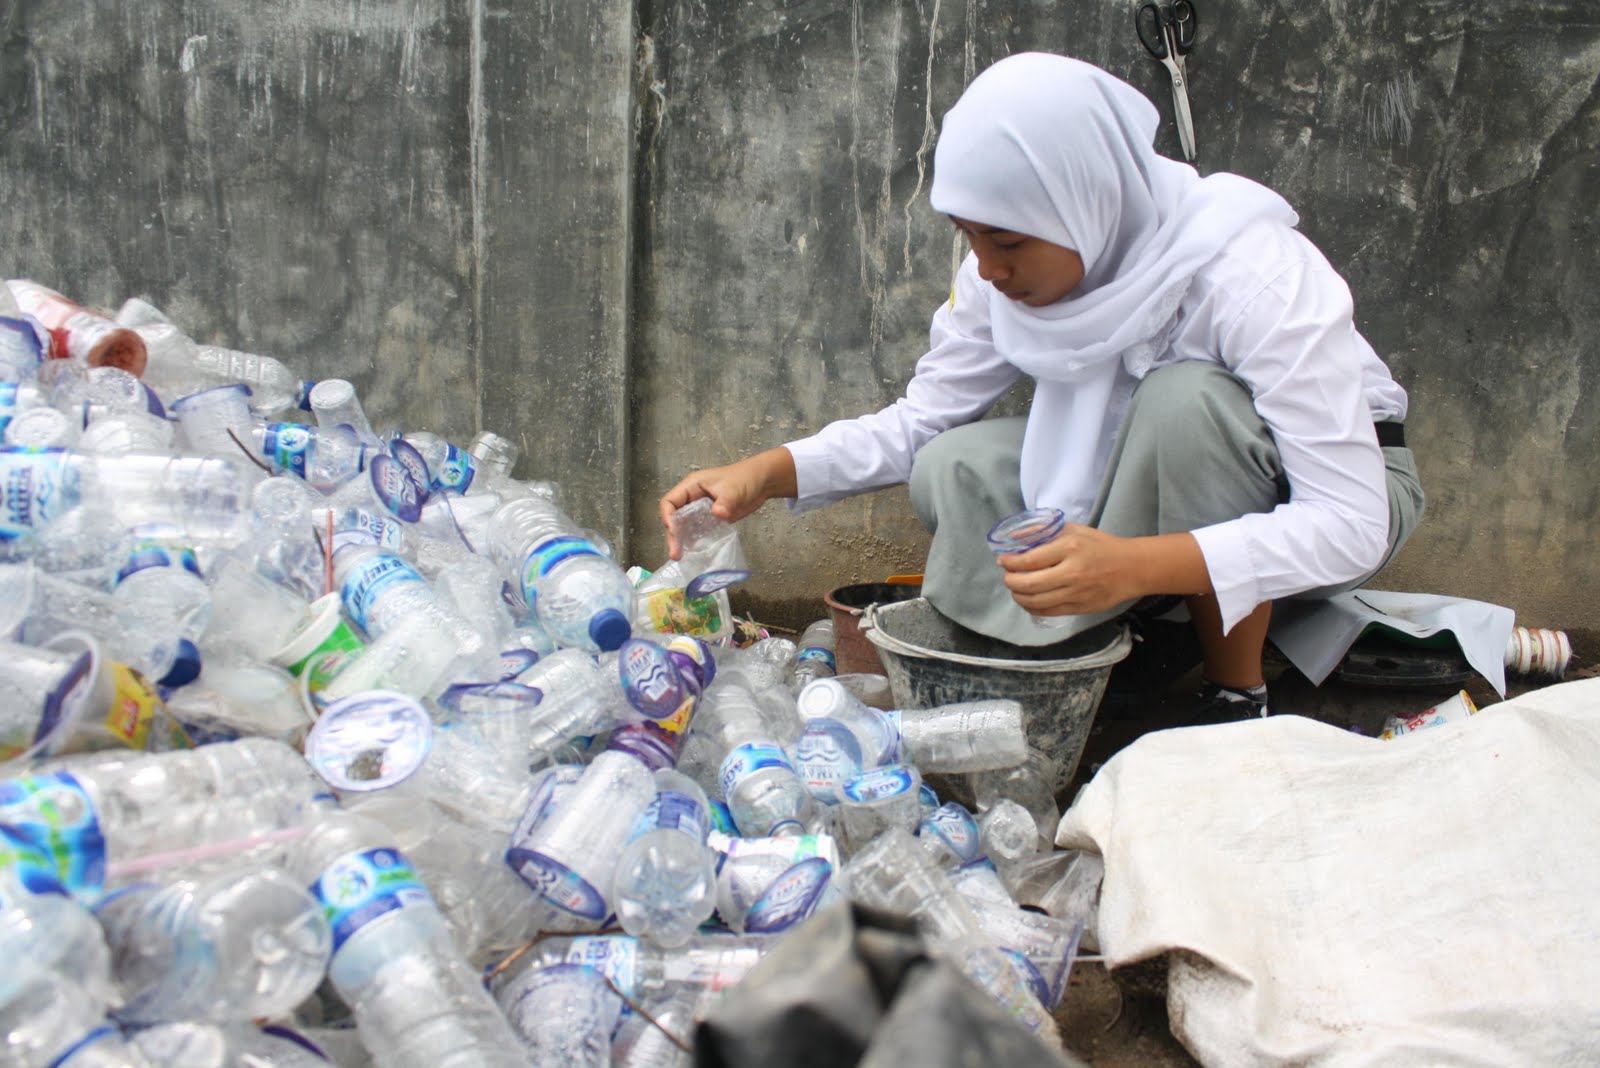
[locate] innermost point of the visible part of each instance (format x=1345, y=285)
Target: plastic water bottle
x=451, y=469
x=1041, y=948
x=51, y=1023
x=965, y=736
x=877, y=799
x=643, y=972
x=325, y=457
x=335, y=404
x=762, y=788
x=842, y=737
x=564, y=1015
x=1010, y=837
x=43, y=929
x=814, y=659
x=381, y=590
x=416, y=1001
x=106, y=818
x=206, y=497
x=158, y=587
x=78, y=333
x=666, y=883
x=767, y=885
x=273, y=387
x=582, y=598
x=894, y=874
x=570, y=859
x=950, y=835
x=577, y=698
x=236, y=945
x=1030, y=783
x=642, y=1043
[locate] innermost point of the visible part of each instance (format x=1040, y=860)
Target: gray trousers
x=1191, y=452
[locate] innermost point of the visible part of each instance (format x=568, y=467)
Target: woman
x=1205, y=412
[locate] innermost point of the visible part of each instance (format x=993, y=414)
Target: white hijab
x=1058, y=149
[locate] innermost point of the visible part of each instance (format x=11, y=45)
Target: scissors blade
x=1180, y=109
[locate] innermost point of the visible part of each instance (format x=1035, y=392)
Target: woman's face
x=1027, y=269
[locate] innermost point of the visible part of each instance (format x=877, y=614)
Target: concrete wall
x=641, y=237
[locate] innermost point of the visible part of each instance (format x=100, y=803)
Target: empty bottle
x=564, y=1015
x=814, y=658
x=382, y=590
x=50, y=1022
x=236, y=945
x=640, y=970
x=878, y=799
x=764, y=792
x=664, y=1040
x=273, y=387
x=666, y=883
x=325, y=457
x=158, y=586
x=416, y=1001
x=106, y=818
x=1010, y=837
x=965, y=736
x=193, y=1044
x=582, y=598
x=747, y=869
x=78, y=333
x=842, y=737
x=1030, y=783
x=570, y=859
x=577, y=698
x=42, y=929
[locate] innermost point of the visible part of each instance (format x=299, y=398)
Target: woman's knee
x=1200, y=415
x=982, y=456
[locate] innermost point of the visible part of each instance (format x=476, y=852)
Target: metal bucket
x=931, y=660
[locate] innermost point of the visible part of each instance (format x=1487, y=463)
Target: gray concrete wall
x=643, y=236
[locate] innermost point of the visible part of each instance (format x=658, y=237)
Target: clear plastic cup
x=494, y=453
x=1021, y=531
x=370, y=741
x=206, y=417
x=323, y=646
x=334, y=402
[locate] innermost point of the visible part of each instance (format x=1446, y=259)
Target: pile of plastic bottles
x=320, y=745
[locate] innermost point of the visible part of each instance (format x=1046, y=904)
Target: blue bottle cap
x=185, y=666
x=609, y=629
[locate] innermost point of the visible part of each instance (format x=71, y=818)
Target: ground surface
x=1119, y=1019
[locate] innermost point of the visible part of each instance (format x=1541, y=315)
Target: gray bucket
x=932, y=660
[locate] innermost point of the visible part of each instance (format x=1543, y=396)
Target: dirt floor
x=1119, y=1019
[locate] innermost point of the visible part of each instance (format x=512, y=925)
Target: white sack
x=1331, y=899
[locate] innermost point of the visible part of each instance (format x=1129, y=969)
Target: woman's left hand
x=1088, y=570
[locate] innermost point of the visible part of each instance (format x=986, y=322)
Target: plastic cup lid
x=711, y=581
x=322, y=618
x=369, y=741
x=331, y=392
x=397, y=488
x=1024, y=530
x=650, y=679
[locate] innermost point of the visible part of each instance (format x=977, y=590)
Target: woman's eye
x=1008, y=245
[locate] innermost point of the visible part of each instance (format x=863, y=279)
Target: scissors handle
x=1184, y=21
x=1151, y=23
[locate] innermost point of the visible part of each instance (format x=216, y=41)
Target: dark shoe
x=1223, y=704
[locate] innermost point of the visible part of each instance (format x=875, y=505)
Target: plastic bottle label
x=673, y=811
x=27, y=865
x=955, y=827
x=722, y=819
x=396, y=488
x=53, y=813
x=407, y=455
x=817, y=652
x=359, y=887
x=289, y=446
x=38, y=485
x=456, y=470
x=561, y=887
x=514, y=662
x=826, y=755
x=547, y=554
x=745, y=760
x=359, y=526
x=879, y=784
x=368, y=581
x=154, y=548
x=135, y=704
x=791, y=898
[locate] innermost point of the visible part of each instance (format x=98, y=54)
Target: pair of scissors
x=1167, y=32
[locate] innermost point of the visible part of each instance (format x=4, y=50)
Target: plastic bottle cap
x=609, y=629
x=185, y=665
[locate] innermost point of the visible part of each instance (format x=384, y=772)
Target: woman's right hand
x=735, y=489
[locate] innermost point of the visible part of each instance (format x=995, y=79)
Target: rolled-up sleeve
x=1295, y=345
x=956, y=381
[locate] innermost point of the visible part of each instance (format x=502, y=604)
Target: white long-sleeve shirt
x=1269, y=308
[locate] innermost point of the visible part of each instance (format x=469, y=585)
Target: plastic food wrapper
x=1329, y=899
x=854, y=986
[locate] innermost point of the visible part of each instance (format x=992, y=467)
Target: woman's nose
x=992, y=267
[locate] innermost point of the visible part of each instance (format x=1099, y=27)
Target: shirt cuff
x=813, y=470
x=1233, y=578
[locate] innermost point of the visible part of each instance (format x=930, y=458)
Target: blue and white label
x=953, y=825
x=790, y=898
x=514, y=662
x=368, y=581
x=879, y=784
x=826, y=755
x=361, y=526
x=39, y=484
x=673, y=811
x=53, y=813
x=289, y=446
x=722, y=819
x=456, y=471
x=614, y=956
x=650, y=679
x=396, y=488
x=817, y=652
x=28, y=865
x=560, y=886
x=156, y=547
x=745, y=760
x=547, y=554
x=411, y=459
x=360, y=887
